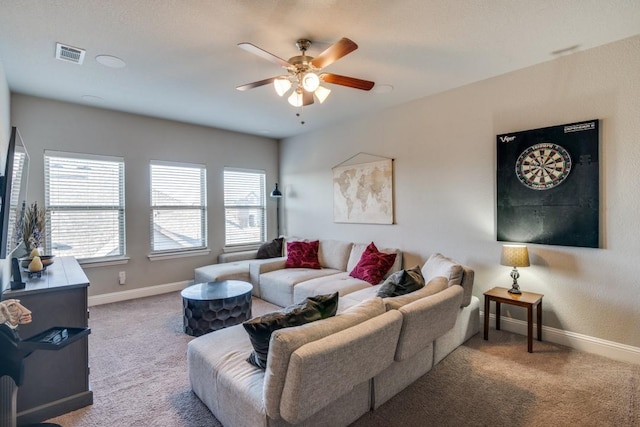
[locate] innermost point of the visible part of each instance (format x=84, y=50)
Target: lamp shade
x=322, y=93
x=296, y=98
x=276, y=192
x=282, y=85
x=310, y=82
x=515, y=256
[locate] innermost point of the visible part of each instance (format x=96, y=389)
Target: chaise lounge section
x=230, y=266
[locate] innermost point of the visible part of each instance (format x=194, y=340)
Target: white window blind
x=178, y=207
x=244, y=207
x=85, y=209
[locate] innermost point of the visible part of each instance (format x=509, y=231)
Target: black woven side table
x=215, y=305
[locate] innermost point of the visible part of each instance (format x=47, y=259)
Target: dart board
x=543, y=166
x=547, y=185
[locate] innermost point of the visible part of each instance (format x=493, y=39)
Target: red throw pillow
x=373, y=265
x=302, y=255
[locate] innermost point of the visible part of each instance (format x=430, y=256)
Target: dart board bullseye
x=543, y=166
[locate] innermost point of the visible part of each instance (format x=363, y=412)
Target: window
x=17, y=202
x=244, y=207
x=84, y=200
x=178, y=207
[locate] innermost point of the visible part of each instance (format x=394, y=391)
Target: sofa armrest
x=456, y=274
x=426, y=319
x=324, y=370
x=264, y=266
x=467, y=285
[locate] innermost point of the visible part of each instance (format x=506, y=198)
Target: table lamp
x=515, y=256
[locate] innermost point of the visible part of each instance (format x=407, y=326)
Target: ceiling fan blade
x=334, y=52
x=307, y=98
x=257, y=84
x=337, y=79
x=264, y=54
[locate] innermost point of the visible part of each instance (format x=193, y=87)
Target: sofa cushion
x=334, y=254
x=402, y=282
x=340, y=282
x=440, y=265
x=302, y=255
x=272, y=249
x=220, y=376
x=260, y=328
x=285, y=341
x=373, y=265
x=349, y=300
x=435, y=285
x=277, y=286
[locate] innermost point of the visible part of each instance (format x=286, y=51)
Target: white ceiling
x=183, y=62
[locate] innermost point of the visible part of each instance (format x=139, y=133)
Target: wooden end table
x=526, y=299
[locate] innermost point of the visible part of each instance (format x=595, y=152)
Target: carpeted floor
x=139, y=378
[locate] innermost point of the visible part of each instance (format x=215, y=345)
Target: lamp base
x=515, y=290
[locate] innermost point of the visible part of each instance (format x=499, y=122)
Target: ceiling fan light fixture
x=302, y=83
x=281, y=85
x=322, y=93
x=296, y=98
x=310, y=81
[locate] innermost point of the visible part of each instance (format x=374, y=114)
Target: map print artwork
x=363, y=193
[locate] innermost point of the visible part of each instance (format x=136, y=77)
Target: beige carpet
x=139, y=378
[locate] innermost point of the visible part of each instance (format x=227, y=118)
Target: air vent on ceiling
x=69, y=53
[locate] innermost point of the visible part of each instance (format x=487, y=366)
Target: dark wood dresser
x=55, y=382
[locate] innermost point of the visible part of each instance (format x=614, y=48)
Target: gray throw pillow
x=260, y=328
x=402, y=282
x=272, y=249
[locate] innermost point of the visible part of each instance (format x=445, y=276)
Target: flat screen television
x=13, y=190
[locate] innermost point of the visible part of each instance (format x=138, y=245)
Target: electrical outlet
x=122, y=277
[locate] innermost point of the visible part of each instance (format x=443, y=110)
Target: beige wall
x=445, y=179
x=444, y=150
x=50, y=125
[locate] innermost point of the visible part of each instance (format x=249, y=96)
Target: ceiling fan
x=304, y=73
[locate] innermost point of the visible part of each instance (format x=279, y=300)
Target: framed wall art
x=548, y=185
x=363, y=192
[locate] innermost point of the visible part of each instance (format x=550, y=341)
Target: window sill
x=172, y=255
x=231, y=249
x=103, y=262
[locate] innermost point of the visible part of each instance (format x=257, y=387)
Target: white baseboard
x=138, y=293
x=610, y=349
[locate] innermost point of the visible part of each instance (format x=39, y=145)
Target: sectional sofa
x=332, y=371
x=282, y=286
